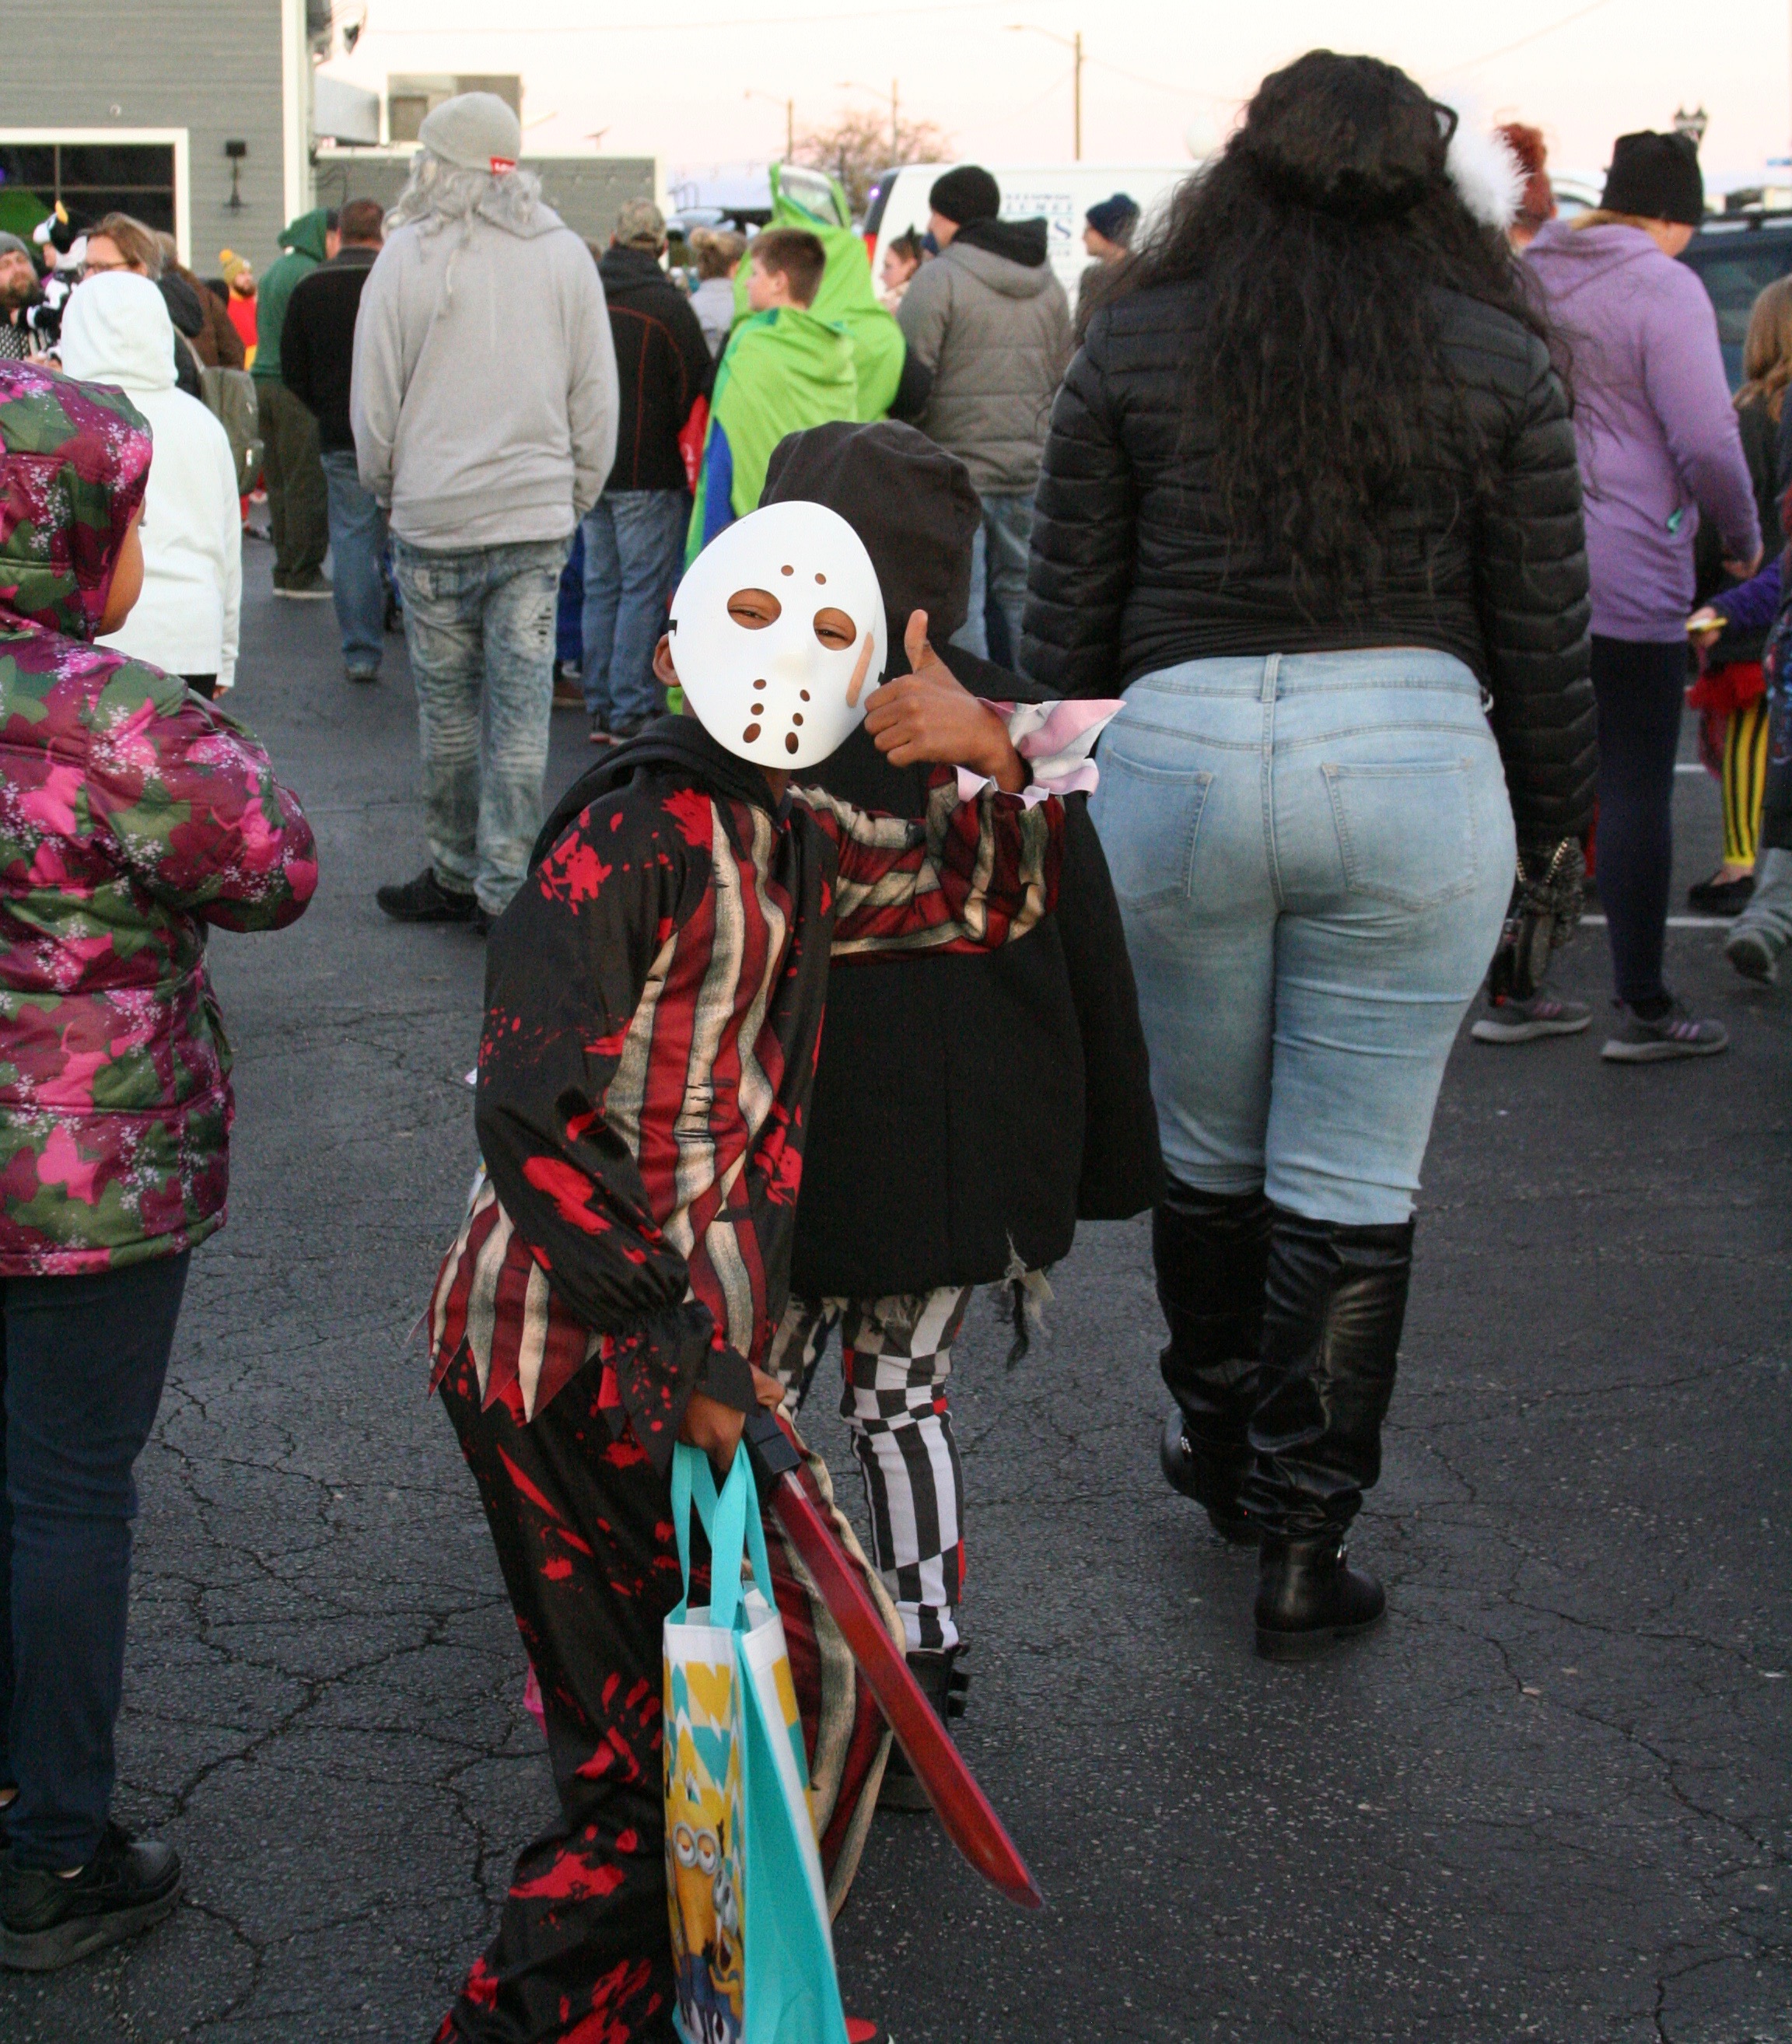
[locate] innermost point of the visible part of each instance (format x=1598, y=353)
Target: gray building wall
x=212, y=66
x=587, y=192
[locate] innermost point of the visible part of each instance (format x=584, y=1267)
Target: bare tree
x=856, y=147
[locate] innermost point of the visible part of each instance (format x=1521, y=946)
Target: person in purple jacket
x=1659, y=449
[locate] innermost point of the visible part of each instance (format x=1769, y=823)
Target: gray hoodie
x=484, y=398
x=989, y=321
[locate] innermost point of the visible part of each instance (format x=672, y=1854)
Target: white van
x=1062, y=192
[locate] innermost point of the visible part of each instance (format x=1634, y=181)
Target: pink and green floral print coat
x=132, y=815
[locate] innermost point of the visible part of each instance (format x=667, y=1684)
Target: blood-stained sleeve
x=568, y=966
x=975, y=875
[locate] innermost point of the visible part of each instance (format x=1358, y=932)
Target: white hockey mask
x=778, y=635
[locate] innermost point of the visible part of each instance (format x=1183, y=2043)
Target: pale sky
x=670, y=77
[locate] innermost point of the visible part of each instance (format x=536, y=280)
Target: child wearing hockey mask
x=654, y=1003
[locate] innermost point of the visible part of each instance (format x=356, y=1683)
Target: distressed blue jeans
x=479, y=627
x=357, y=553
x=634, y=550
x=999, y=569
x=1312, y=854
x=82, y=1364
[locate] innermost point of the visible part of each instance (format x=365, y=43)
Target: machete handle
x=770, y=1451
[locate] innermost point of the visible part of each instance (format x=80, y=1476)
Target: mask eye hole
x=754, y=609
x=836, y=630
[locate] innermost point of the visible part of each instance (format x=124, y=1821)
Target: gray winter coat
x=989, y=322
x=484, y=400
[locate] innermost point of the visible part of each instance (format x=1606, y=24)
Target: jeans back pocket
x=1148, y=818
x=1405, y=830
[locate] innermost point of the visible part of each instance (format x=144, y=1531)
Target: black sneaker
x=46, y=1922
x=362, y=678
x=308, y=588
x=425, y=900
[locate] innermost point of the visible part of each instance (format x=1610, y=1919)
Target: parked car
x=1737, y=256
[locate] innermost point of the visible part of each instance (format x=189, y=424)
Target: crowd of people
x=1168, y=769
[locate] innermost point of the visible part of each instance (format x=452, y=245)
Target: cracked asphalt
x=1549, y=1799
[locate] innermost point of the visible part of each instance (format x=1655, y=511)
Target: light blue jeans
x=998, y=566
x=634, y=549
x=479, y=626
x=1314, y=854
x=357, y=549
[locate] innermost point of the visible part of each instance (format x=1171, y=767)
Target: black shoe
x=361, y=677
x=1721, y=897
x=393, y=620
x=1309, y=1596
x=943, y=1686
x=425, y=900
x=627, y=728
x=46, y=1922
x=1183, y=1471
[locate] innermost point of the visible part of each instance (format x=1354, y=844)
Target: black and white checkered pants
x=895, y=1356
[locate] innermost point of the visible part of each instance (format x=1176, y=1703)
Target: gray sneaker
x=1674, y=1034
x=1754, y=953
x=1509, y=1021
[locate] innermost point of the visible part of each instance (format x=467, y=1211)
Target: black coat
x=967, y=1111
x=1133, y=570
x=663, y=366
x=317, y=340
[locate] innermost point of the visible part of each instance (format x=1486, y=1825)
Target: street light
x=859, y=85
x=1073, y=44
x=789, y=107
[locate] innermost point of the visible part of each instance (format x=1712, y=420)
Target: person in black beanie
x=1656, y=177
x=988, y=330
x=1107, y=235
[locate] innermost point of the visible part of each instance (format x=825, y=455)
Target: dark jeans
x=82, y=1360
x=1641, y=688
x=292, y=470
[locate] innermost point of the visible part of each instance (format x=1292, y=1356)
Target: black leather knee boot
x=1210, y=1250
x=1335, y=1302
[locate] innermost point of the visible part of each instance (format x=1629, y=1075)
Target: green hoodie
x=304, y=242
x=847, y=299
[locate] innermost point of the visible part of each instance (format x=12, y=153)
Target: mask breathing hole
x=749, y=734
x=791, y=741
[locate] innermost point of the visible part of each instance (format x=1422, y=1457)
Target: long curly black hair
x=1322, y=235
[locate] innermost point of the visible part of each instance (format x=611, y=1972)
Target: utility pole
x=789, y=107
x=1076, y=99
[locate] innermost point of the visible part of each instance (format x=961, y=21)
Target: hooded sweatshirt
x=306, y=248
x=116, y=331
x=1014, y=1085
x=989, y=322
x=1657, y=431
x=132, y=815
x=484, y=400
x=784, y=370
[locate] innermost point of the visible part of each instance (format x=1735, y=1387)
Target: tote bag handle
x=736, y=1529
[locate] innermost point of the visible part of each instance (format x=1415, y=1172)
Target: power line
x=1523, y=42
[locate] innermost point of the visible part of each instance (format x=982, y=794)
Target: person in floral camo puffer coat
x=132, y=815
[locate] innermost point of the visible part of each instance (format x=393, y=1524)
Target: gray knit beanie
x=11, y=245
x=475, y=131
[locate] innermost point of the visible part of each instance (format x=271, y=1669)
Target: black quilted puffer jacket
x=1130, y=571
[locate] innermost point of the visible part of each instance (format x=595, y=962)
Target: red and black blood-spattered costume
x=654, y=999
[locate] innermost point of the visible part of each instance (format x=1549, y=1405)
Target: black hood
x=1022, y=241
x=909, y=501
x=679, y=742
x=623, y=268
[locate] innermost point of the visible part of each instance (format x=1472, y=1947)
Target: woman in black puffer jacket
x=1310, y=499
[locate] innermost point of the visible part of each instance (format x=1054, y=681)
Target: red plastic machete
x=960, y=1805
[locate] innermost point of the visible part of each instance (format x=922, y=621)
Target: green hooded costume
x=847, y=296
x=304, y=242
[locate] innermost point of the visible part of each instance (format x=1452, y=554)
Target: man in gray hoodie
x=484, y=410
x=988, y=328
